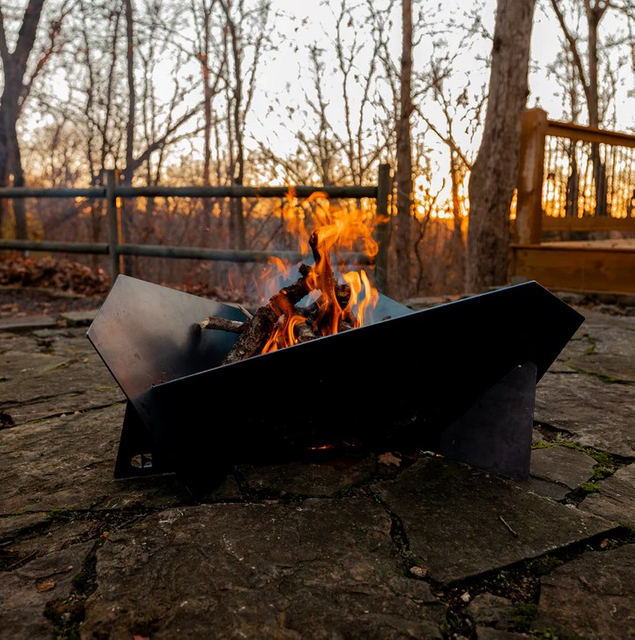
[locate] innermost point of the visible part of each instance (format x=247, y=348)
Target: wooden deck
x=593, y=266
x=562, y=169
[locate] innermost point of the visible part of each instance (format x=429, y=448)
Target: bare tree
x=493, y=176
x=403, y=174
x=20, y=72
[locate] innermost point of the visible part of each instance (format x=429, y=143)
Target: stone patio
x=374, y=546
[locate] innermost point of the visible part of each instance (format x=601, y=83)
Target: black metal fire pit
x=458, y=379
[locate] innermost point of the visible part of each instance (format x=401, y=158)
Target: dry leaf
x=46, y=585
x=605, y=543
x=388, y=459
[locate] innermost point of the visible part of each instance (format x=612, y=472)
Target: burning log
x=281, y=323
x=259, y=329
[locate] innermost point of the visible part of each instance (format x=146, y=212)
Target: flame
x=336, y=302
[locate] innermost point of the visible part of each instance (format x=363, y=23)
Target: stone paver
x=67, y=463
x=27, y=323
x=616, y=498
x=563, y=469
x=457, y=519
x=325, y=545
x=598, y=414
x=311, y=479
x=51, y=373
x=492, y=611
x=591, y=597
x=323, y=568
x=25, y=592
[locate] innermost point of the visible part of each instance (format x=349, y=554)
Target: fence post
x=382, y=229
x=113, y=214
x=530, y=177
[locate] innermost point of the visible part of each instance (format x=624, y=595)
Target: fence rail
x=116, y=247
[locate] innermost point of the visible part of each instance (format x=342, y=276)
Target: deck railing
x=573, y=178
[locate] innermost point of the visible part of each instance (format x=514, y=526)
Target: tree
x=17, y=86
x=403, y=174
x=493, y=177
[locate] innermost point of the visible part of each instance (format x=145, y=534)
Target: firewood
x=304, y=332
x=259, y=329
x=328, y=314
x=222, y=324
x=254, y=337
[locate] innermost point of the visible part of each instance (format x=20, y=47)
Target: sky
x=311, y=21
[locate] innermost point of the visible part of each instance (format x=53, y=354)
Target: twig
x=19, y=562
x=514, y=533
x=245, y=311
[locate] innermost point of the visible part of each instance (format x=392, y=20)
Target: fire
x=335, y=303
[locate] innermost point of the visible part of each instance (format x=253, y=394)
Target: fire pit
x=458, y=379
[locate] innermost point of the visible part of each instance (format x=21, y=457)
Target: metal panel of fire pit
x=458, y=379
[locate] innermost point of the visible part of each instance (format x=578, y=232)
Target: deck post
x=530, y=177
x=113, y=215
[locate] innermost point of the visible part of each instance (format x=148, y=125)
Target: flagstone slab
x=311, y=480
x=318, y=568
x=68, y=463
x=461, y=522
x=27, y=323
x=13, y=526
x=616, y=498
x=33, y=377
x=603, y=346
x=563, y=468
x=598, y=414
x=63, y=404
x=591, y=597
x=25, y=592
x=16, y=342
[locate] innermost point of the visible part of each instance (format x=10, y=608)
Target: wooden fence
x=116, y=248
x=574, y=179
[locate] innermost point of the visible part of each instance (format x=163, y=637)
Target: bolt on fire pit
x=458, y=379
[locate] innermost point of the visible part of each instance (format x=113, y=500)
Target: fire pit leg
x=495, y=432
x=138, y=454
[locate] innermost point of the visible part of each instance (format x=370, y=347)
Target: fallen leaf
x=388, y=459
x=46, y=585
x=605, y=543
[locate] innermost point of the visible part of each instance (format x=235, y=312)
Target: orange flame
x=334, y=306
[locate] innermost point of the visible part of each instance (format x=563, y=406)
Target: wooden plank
x=589, y=134
x=551, y=223
x=576, y=269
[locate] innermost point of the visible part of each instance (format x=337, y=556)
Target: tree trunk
x=594, y=15
x=493, y=177
x=14, y=66
x=130, y=125
x=403, y=173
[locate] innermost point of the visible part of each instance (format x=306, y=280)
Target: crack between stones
x=50, y=416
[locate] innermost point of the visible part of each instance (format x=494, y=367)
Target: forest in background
x=249, y=92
